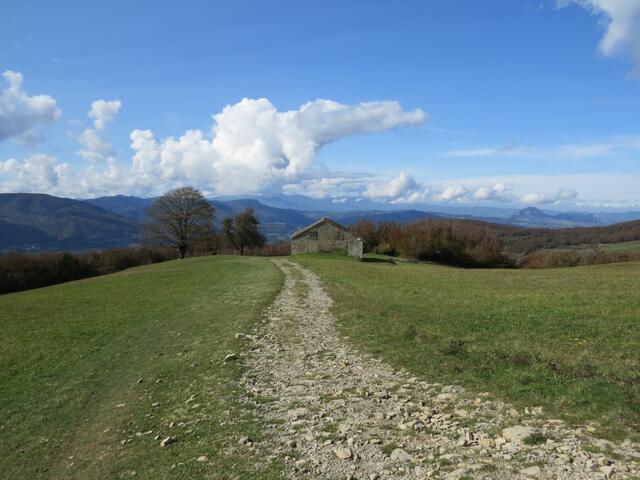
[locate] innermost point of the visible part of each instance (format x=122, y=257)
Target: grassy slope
x=567, y=339
x=72, y=354
x=622, y=247
x=632, y=246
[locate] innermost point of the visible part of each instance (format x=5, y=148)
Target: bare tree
x=242, y=232
x=178, y=218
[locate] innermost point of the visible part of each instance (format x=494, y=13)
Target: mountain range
x=44, y=222
x=39, y=222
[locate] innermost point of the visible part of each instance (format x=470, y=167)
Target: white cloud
x=21, y=113
x=452, y=193
x=615, y=145
x=323, y=184
x=498, y=192
x=39, y=173
x=103, y=112
x=255, y=148
x=489, y=152
x=252, y=148
x=621, y=23
x=96, y=149
x=402, y=189
x=561, y=196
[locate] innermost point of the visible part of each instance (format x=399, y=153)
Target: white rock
x=342, y=453
x=607, y=470
x=486, y=442
x=400, y=455
x=452, y=389
x=531, y=471
x=460, y=472
x=517, y=434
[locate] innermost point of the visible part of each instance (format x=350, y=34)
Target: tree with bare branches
x=242, y=231
x=178, y=218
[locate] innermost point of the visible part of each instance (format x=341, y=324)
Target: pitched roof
x=297, y=233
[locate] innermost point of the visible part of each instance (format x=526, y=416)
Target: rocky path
x=335, y=413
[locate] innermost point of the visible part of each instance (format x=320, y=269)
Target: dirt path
x=338, y=414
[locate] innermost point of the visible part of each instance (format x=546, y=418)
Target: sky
x=474, y=102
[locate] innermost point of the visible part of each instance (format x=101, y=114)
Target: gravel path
x=335, y=413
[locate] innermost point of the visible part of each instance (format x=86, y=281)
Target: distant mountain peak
x=531, y=212
x=532, y=216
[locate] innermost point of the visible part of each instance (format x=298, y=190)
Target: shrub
x=456, y=347
x=386, y=249
x=281, y=248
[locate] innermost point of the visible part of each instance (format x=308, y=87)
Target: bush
x=19, y=271
x=386, y=249
x=281, y=248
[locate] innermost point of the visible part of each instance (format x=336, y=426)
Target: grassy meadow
x=566, y=339
x=621, y=247
x=91, y=371
x=632, y=246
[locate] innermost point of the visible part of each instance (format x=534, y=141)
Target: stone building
x=325, y=235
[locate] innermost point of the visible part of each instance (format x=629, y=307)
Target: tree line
x=21, y=271
x=527, y=240
x=473, y=243
x=180, y=223
x=450, y=242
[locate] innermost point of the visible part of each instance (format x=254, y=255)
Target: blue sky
x=476, y=102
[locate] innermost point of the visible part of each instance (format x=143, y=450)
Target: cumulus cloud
x=254, y=148
x=95, y=148
x=561, y=196
x=452, y=193
x=621, y=23
x=39, y=173
x=21, y=113
x=103, y=112
x=401, y=189
x=498, y=192
x=251, y=148
x=323, y=184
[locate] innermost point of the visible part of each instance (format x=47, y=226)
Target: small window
x=313, y=235
x=340, y=235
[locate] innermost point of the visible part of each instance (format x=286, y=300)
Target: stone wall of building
x=355, y=248
x=326, y=237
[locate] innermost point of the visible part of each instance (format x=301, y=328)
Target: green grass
x=621, y=247
x=71, y=357
x=567, y=339
x=632, y=246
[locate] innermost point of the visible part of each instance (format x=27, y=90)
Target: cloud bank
x=20, y=113
x=251, y=148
